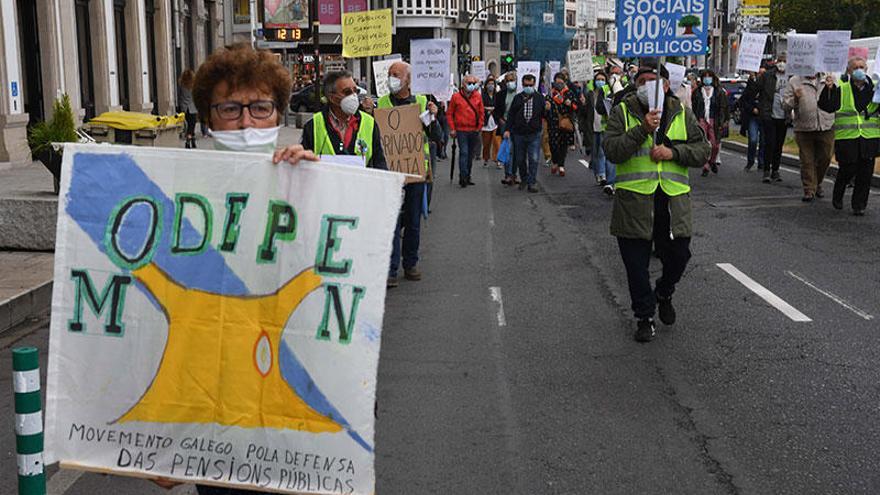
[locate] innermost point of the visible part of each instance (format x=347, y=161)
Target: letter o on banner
x=125, y=223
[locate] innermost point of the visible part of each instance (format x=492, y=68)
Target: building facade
x=544, y=31
x=105, y=54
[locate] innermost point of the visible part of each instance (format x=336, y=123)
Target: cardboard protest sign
x=366, y=34
x=203, y=304
x=580, y=65
x=380, y=75
x=430, y=65
x=802, y=54
x=832, y=48
x=403, y=140
x=751, y=51
x=523, y=68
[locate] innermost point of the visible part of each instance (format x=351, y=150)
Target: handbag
x=504, y=152
x=565, y=124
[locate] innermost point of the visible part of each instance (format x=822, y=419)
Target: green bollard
x=28, y=421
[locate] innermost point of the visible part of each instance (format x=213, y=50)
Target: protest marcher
x=491, y=138
x=340, y=128
x=751, y=123
x=651, y=202
x=408, y=230
x=523, y=126
x=684, y=91
x=560, y=121
x=709, y=103
x=503, y=101
x=244, y=92
x=465, y=115
x=813, y=131
x=856, y=132
x=773, y=118
x=185, y=101
x=598, y=106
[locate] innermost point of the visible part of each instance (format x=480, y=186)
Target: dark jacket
x=766, y=92
x=500, y=109
x=591, y=105
x=851, y=150
x=517, y=123
x=718, y=107
x=376, y=161
x=633, y=214
x=748, y=101
x=489, y=105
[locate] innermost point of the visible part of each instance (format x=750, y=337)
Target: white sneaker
x=608, y=189
x=548, y=163
x=599, y=179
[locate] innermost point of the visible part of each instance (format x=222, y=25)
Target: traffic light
x=507, y=63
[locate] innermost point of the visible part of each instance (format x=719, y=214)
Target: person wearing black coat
x=751, y=123
x=773, y=118
x=524, y=126
x=713, y=117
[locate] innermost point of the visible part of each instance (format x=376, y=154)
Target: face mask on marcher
x=511, y=86
x=707, y=81
x=471, y=87
x=600, y=83
x=394, y=84
x=350, y=104
x=490, y=87
x=642, y=94
x=859, y=74
x=528, y=90
x=251, y=140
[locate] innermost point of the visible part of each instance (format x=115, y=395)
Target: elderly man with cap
x=653, y=150
x=408, y=227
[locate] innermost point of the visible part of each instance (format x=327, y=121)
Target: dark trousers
x=558, y=153
x=862, y=171
x=468, y=149
x=774, y=138
x=636, y=254
x=407, y=232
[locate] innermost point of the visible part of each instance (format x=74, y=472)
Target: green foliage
x=689, y=21
x=60, y=129
x=862, y=17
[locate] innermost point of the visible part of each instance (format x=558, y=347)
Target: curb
x=22, y=306
x=790, y=160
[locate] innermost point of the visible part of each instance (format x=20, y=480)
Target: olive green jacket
x=633, y=213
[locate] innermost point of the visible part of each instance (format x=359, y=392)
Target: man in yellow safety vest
x=653, y=151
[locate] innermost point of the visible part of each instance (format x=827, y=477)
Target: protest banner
x=366, y=34
x=832, y=48
x=751, y=51
x=430, y=65
x=580, y=65
x=203, y=302
x=403, y=140
x=662, y=28
x=859, y=51
x=527, y=67
x=802, y=54
x=380, y=74
x=478, y=70
x=553, y=68
x=676, y=74
x=876, y=66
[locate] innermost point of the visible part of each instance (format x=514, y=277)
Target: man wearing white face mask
x=341, y=128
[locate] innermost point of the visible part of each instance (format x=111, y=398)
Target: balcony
x=451, y=8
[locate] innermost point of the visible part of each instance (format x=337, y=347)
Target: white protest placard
x=478, y=69
x=802, y=54
x=655, y=98
x=832, y=49
x=751, y=51
x=676, y=74
x=553, y=68
x=580, y=65
x=876, y=68
x=430, y=65
x=380, y=74
x=527, y=67
x=193, y=328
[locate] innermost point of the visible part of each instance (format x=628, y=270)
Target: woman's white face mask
x=251, y=139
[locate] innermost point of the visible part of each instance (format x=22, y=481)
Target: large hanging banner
x=217, y=319
x=653, y=28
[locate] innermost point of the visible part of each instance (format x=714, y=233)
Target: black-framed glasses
x=231, y=110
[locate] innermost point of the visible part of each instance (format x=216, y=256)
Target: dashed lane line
x=764, y=293
x=829, y=295
x=495, y=292
x=585, y=163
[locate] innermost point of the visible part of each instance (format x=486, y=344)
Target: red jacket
x=460, y=115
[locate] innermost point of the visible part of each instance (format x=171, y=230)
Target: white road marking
x=495, y=292
x=765, y=294
x=585, y=163
x=829, y=295
x=61, y=481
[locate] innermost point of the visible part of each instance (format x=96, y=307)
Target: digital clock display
x=285, y=34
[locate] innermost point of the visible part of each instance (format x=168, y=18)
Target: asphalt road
x=511, y=369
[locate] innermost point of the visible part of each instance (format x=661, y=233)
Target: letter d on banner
x=28, y=421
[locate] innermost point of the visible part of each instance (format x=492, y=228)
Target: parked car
x=303, y=100
x=734, y=89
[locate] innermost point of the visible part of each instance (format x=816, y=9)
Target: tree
x=862, y=17
x=689, y=22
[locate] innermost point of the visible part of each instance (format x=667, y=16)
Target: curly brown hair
x=240, y=66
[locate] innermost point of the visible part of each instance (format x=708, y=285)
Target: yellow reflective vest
x=642, y=175
x=850, y=124
x=363, y=146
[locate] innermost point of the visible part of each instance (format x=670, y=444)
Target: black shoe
x=807, y=197
x=470, y=182
x=462, y=183
x=766, y=179
x=645, y=330
x=749, y=167
x=705, y=173
x=392, y=282
x=775, y=176
x=666, y=310
x=714, y=168
x=859, y=212
x=533, y=188
x=522, y=185
x=837, y=204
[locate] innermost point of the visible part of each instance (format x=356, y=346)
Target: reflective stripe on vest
x=323, y=145
x=422, y=101
x=642, y=175
x=850, y=124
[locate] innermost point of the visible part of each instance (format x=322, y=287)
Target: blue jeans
x=756, y=143
x=468, y=147
x=409, y=221
x=601, y=165
x=526, y=155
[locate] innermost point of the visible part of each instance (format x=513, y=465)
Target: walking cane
x=452, y=162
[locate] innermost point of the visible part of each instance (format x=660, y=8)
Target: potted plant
x=61, y=128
